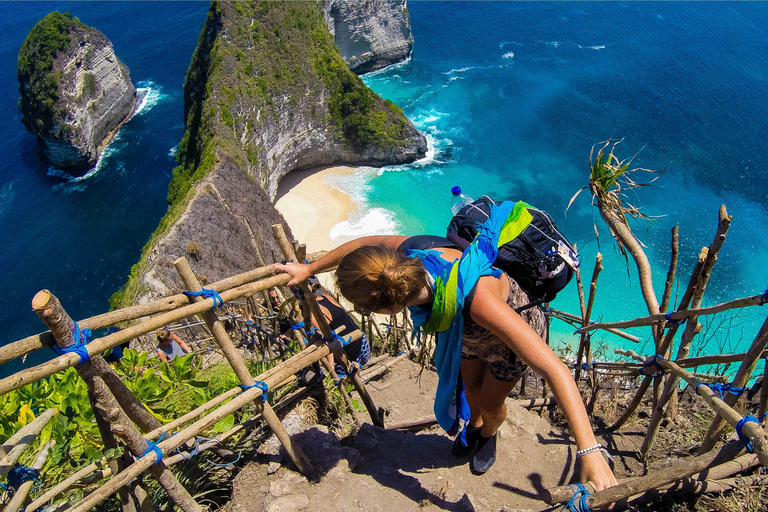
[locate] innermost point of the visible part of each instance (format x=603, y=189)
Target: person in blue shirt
x=170, y=345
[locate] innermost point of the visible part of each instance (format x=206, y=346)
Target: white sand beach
x=311, y=208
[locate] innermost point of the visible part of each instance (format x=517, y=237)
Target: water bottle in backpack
x=459, y=200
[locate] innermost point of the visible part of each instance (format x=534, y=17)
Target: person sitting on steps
x=385, y=274
x=170, y=345
x=336, y=316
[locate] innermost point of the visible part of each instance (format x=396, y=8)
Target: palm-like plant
x=609, y=179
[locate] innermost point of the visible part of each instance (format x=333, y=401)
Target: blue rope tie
x=578, y=502
x=226, y=463
x=153, y=447
x=584, y=366
x=208, y=293
x=672, y=320
x=18, y=475
x=546, y=310
x=311, y=330
x=722, y=389
x=79, y=346
x=744, y=439
x=258, y=384
x=654, y=362
x=297, y=326
x=578, y=330
x=335, y=336
x=343, y=375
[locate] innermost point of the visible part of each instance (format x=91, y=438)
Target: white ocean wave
x=376, y=221
x=508, y=55
x=595, y=47
x=150, y=93
x=356, y=186
x=173, y=151
x=398, y=65
x=425, y=119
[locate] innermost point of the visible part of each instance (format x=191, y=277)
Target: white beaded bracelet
x=591, y=449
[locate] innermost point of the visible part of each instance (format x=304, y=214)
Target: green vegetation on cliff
x=38, y=84
x=271, y=56
x=259, y=67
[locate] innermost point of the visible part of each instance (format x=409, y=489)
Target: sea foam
x=377, y=221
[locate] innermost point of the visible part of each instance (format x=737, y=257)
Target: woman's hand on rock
x=298, y=271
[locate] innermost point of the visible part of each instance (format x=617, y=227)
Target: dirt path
x=386, y=470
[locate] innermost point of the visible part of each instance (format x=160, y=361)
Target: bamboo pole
x=680, y=315
x=122, y=427
x=588, y=339
x=662, y=477
x=50, y=311
x=99, y=345
x=751, y=430
x=96, y=471
x=169, y=444
x=562, y=315
x=743, y=375
x=29, y=344
x=18, y=443
x=241, y=371
x=23, y=491
x=672, y=270
x=697, y=483
x=309, y=298
x=583, y=306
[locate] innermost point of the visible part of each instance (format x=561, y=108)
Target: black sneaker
x=473, y=436
x=485, y=455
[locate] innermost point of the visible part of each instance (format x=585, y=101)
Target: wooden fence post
x=122, y=427
x=340, y=355
x=237, y=364
x=740, y=380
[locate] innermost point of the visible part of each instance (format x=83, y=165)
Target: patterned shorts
x=479, y=343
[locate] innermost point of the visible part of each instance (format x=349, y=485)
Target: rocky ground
x=384, y=470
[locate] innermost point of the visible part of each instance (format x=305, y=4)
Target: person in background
x=358, y=351
x=169, y=345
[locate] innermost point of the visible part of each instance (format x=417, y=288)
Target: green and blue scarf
x=453, y=282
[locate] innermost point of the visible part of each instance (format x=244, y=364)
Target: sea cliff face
x=267, y=92
x=75, y=93
x=370, y=35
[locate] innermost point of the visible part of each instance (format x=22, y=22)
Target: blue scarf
x=453, y=282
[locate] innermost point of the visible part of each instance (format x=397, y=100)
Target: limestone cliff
x=370, y=34
x=75, y=93
x=267, y=92
x=268, y=86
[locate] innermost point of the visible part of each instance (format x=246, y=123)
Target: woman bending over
x=457, y=295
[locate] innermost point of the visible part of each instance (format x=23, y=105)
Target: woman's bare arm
x=492, y=312
x=300, y=272
x=181, y=342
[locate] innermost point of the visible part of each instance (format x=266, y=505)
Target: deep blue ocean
x=512, y=96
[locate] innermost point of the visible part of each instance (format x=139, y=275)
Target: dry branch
x=751, y=430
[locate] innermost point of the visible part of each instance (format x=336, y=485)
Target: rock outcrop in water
x=75, y=93
x=370, y=35
x=267, y=92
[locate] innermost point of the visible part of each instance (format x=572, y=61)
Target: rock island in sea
x=75, y=93
x=267, y=93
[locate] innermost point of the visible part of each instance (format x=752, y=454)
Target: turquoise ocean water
x=512, y=96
